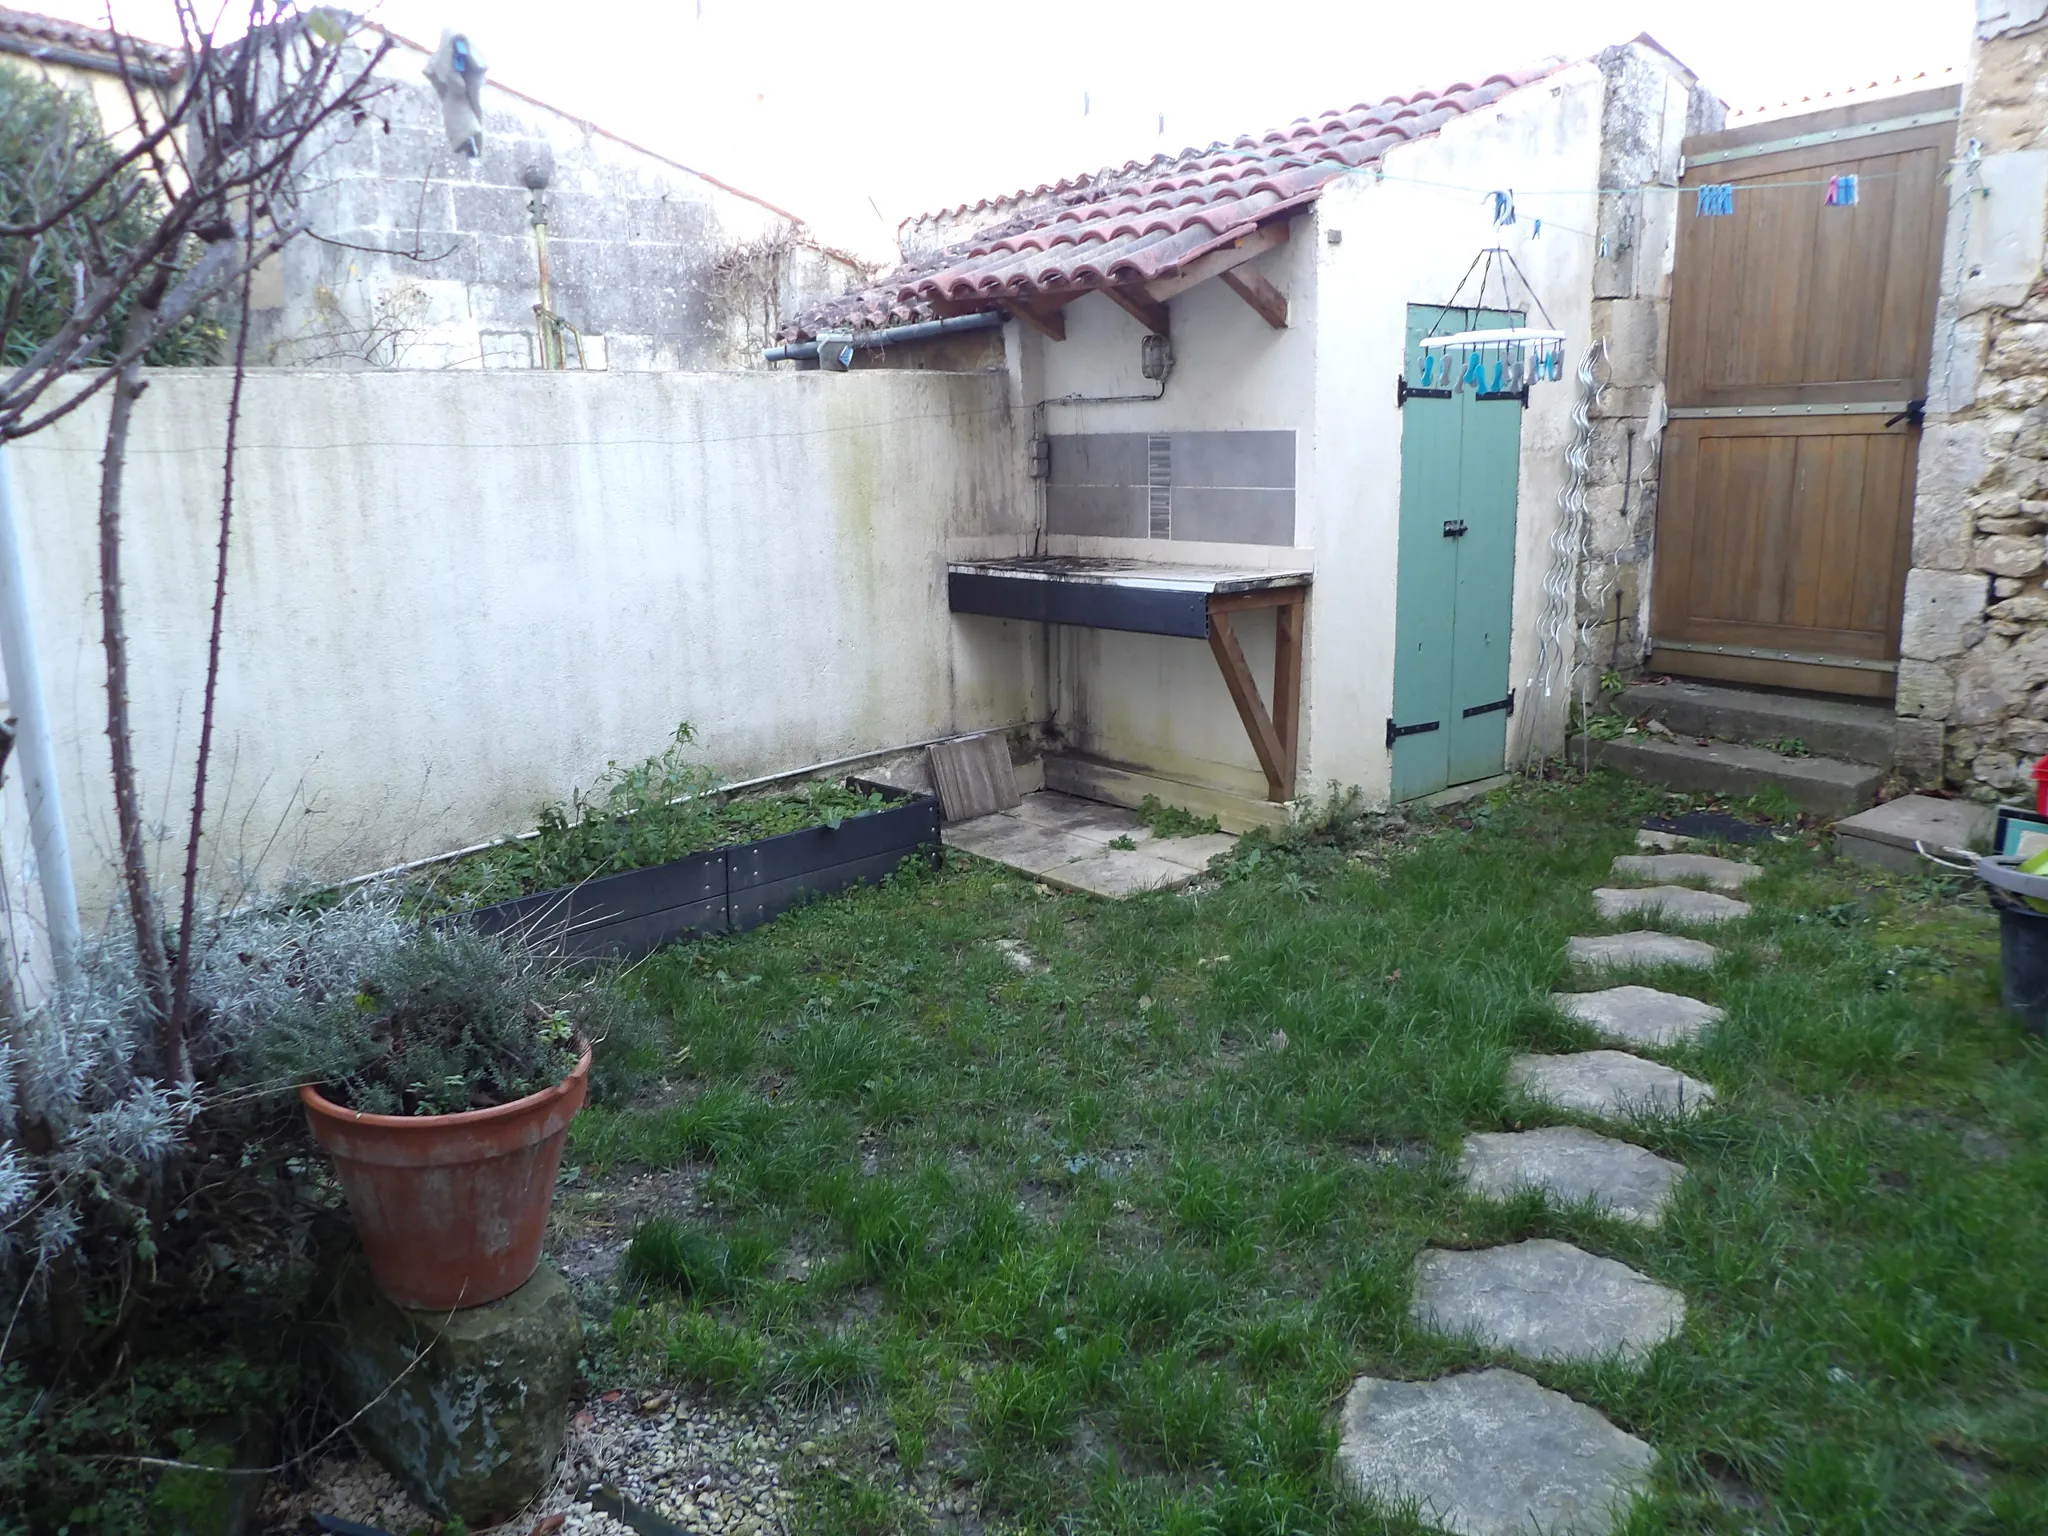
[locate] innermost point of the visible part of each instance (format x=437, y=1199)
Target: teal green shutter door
x=1460, y=465
x=1427, y=575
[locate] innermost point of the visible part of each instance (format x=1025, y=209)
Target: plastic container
x=2023, y=960
x=451, y=1208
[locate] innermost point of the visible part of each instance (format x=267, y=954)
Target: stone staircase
x=1829, y=756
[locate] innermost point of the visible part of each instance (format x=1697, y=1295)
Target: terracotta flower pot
x=451, y=1208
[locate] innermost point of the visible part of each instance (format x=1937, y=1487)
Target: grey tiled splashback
x=1219, y=487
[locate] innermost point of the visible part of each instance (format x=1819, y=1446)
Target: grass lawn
x=1102, y=1245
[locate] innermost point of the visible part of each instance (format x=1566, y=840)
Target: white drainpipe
x=34, y=754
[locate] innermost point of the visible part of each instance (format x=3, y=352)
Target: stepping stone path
x=1544, y=1300
x=1609, y=1085
x=1571, y=1165
x=1721, y=874
x=1618, y=951
x=1640, y=1015
x=1490, y=1453
x=1680, y=903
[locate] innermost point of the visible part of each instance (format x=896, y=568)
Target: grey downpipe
x=888, y=336
x=33, y=748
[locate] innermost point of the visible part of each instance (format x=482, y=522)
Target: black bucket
x=2023, y=959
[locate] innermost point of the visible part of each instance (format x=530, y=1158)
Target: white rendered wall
x=455, y=596
x=1408, y=238
x=1149, y=699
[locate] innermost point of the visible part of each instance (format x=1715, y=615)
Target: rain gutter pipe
x=33, y=749
x=888, y=336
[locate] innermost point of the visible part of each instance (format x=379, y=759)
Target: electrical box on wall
x=1039, y=459
x=1155, y=358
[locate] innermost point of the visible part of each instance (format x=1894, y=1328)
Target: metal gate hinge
x=1396, y=732
x=1404, y=392
x=1505, y=706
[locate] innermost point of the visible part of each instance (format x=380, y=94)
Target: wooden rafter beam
x=1049, y=320
x=1269, y=301
x=1218, y=262
x=1147, y=311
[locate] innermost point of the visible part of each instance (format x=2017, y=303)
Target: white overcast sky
x=854, y=115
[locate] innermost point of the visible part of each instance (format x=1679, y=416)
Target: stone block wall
x=1973, y=670
x=419, y=257
x=1653, y=103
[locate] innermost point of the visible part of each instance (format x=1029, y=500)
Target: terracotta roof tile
x=1145, y=221
x=30, y=34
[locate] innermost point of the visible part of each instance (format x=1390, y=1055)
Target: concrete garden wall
x=455, y=596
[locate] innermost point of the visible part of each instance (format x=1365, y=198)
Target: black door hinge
x=1506, y=706
x=1914, y=415
x=1404, y=392
x=1454, y=528
x=1396, y=732
x=1521, y=394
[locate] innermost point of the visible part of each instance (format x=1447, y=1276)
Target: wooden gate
x=1800, y=338
x=1461, y=461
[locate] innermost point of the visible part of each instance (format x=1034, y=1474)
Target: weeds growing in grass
x=1113, y=1237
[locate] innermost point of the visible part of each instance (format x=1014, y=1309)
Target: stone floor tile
x=1490, y=1453
x=1678, y=903
x=1569, y=1165
x=1718, y=873
x=1609, y=1085
x=1640, y=1015
x=1544, y=1300
x=1616, y=951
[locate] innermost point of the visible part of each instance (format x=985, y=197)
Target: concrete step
x=1824, y=786
x=1856, y=733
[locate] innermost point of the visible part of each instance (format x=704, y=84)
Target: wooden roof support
x=1049, y=320
x=1147, y=311
x=1216, y=263
x=1276, y=735
x=1269, y=301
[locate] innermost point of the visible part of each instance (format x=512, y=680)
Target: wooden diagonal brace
x=1274, y=736
x=1269, y=301
x=1146, y=311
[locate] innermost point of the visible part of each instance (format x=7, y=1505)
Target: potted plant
x=443, y=1085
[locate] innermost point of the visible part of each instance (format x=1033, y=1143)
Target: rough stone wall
x=1973, y=674
x=422, y=258
x=1653, y=102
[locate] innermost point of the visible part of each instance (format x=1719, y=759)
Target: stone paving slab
x=1609, y=1085
x=1490, y=1453
x=1570, y=1165
x=1544, y=1300
x=1662, y=842
x=1066, y=841
x=1640, y=1015
x=1721, y=874
x=1679, y=903
x=1616, y=951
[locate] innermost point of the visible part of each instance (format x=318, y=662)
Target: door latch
x=1914, y=415
x=1454, y=527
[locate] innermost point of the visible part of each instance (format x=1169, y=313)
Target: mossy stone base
x=475, y=1428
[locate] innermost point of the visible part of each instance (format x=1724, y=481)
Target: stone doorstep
x=1674, y=903
x=1884, y=835
x=1620, y=951
x=1717, y=873
x=1490, y=1453
x=1640, y=1015
x=1857, y=733
x=1544, y=1300
x=1609, y=1085
x=1571, y=1166
x=1822, y=786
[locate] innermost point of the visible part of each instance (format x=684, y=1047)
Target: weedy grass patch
x=1107, y=1241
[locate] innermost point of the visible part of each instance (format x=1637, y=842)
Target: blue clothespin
x=1500, y=372
x=1715, y=201
x=1503, y=207
x=1535, y=229
x=1475, y=369
x=1842, y=191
